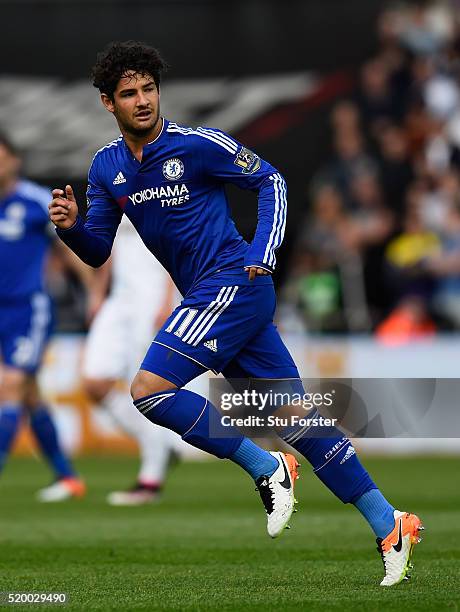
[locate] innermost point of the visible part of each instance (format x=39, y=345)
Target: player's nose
x=142, y=99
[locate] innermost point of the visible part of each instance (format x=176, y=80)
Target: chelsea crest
x=173, y=169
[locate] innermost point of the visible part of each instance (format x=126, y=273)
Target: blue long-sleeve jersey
x=176, y=200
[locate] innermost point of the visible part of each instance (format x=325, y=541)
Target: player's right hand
x=254, y=271
x=63, y=208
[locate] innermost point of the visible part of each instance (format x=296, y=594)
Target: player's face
x=135, y=104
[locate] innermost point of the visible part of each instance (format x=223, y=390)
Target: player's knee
x=97, y=388
x=146, y=383
x=13, y=385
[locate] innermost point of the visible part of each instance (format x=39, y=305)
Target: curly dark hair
x=120, y=57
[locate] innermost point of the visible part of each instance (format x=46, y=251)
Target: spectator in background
x=408, y=322
x=315, y=284
x=376, y=99
x=350, y=160
x=408, y=282
x=368, y=206
x=396, y=171
x=392, y=217
x=417, y=124
x=425, y=28
x=373, y=223
x=445, y=268
x=365, y=218
x=329, y=265
x=438, y=194
x=345, y=118
x=438, y=153
x=394, y=57
x=407, y=251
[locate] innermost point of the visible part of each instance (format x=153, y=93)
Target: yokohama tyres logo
x=154, y=193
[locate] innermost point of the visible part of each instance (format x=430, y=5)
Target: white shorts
x=118, y=340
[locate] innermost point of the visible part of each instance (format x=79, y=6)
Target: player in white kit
x=140, y=300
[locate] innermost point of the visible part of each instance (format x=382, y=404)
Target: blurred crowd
x=380, y=245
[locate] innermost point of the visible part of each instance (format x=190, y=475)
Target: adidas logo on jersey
x=211, y=345
x=350, y=452
x=119, y=179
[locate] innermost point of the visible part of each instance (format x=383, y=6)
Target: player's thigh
x=264, y=356
x=213, y=324
x=168, y=364
x=26, y=329
x=107, y=344
x=265, y=365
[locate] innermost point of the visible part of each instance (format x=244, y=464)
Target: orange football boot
x=397, y=548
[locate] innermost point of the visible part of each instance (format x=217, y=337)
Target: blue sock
x=199, y=423
x=46, y=435
x=377, y=512
x=193, y=417
x=255, y=460
x=10, y=418
x=334, y=461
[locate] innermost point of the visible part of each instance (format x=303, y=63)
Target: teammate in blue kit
x=169, y=180
x=26, y=320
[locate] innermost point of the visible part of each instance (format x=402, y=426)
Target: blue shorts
x=225, y=324
x=25, y=328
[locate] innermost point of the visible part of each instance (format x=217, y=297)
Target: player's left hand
x=255, y=271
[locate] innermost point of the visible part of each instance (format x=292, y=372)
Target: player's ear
x=107, y=102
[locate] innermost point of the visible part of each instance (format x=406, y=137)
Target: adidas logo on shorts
x=211, y=345
x=119, y=179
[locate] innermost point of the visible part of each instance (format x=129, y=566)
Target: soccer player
x=119, y=336
x=174, y=196
x=26, y=320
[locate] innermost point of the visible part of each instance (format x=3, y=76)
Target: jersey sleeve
x=229, y=161
x=103, y=214
x=92, y=240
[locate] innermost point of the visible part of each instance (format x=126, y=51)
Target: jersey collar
x=164, y=127
x=147, y=147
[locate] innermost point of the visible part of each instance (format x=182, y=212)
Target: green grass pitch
x=205, y=546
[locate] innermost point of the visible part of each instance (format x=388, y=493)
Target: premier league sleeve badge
x=248, y=161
